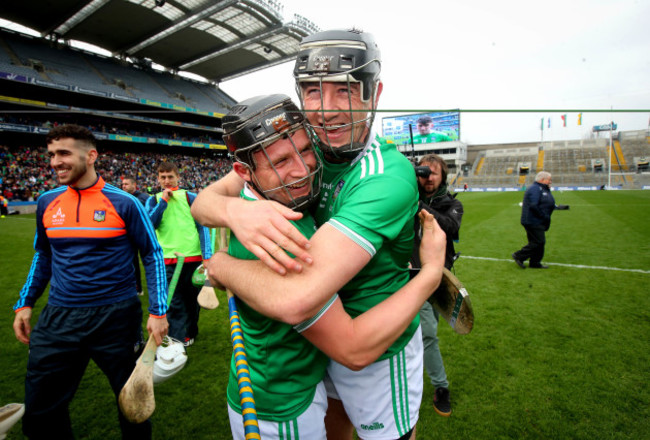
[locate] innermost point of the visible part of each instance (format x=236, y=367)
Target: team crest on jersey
x=58, y=218
x=338, y=188
x=99, y=216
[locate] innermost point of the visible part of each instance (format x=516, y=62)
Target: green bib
x=177, y=230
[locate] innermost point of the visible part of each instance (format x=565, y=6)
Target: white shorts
x=308, y=425
x=382, y=400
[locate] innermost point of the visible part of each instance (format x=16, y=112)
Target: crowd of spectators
x=25, y=172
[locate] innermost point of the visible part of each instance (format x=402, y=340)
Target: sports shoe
x=441, y=402
x=141, y=293
x=538, y=266
x=188, y=341
x=518, y=261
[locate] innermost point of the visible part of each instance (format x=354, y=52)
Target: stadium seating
x=60, y=64
x=572, y=163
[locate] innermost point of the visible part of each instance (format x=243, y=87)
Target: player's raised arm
x=263, y=226
x=296, y=296
x=358, y=342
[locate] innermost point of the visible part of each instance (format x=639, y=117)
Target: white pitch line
x=19, y=218
x=579, y=266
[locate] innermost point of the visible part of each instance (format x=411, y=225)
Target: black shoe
x=538, y=266
x=518, y=261
x=441, y=402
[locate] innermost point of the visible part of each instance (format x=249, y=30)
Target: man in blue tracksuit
x=536, y=213
x=86, y=234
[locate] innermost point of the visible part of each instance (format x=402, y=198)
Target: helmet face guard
x=252, y=127
x=349, y=57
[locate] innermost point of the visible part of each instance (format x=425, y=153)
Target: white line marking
x=579, y=266
x=18, y=218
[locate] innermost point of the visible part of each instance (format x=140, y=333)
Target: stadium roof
x=218, y=40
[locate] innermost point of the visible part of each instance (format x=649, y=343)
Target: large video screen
x=426, y=128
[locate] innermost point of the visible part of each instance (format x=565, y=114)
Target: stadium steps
x=208, y=96
x=96, y=71
x=12, y=55
x=540, y=160
x=617, y=158
x=479, y=166
x=172, y=95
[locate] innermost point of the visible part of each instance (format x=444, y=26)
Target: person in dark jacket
x=130, y=185
x=536, y=210
x=448, y=212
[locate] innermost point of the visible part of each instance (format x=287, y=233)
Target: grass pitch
x=554, y=354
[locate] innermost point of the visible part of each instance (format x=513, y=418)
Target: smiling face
x=73, y=161
x=337, y=113
x=328, y=106
x=284, y=170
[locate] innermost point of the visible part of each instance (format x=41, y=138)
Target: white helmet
x=170, y=359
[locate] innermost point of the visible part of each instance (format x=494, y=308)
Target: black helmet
x=350, y=56
x=256, y=123
x=331, y=55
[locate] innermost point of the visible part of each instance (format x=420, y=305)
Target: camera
x=423, y=172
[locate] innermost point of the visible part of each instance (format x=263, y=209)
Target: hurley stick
x=180, y=260
x=136, y=399
x=9, y=416
x=246, y=398
x=207, y=296
x=244, y=384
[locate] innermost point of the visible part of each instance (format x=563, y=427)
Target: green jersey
x=373, y=201
x=284, y=366
x=431, y=138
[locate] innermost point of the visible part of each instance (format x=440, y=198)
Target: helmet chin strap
x=347, y=152
x=301, y=203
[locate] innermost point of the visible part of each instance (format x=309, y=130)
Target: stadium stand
x=59, y=64
x=141, y=114
x=65, y=85
x=574, y=163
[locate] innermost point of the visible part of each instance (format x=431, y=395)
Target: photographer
x=431, y=173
